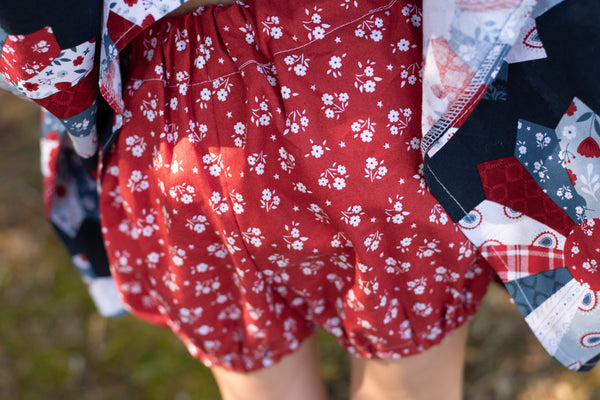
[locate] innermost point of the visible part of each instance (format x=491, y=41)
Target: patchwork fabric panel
x=524, y=185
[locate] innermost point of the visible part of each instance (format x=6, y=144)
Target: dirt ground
x=53, y=345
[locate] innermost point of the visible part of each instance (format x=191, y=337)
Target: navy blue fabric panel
x=73, y=21
x=488, y=134
x=88, y=242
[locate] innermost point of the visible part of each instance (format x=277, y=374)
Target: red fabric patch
x=517, y=261
x=24, y=56
x=507, y=182
x=72, y=100
x=123, y=31
x=582, y=253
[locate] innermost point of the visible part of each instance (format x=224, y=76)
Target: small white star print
x=327, y=203
x=229, y=114
x=390, y=67
x=195, y=170
x=296, y=208
x=386, y=146
x=342, y=144
x=338, y=40
x=273, y=137
x=373, y=219
x=380, y=104
x=221, y=60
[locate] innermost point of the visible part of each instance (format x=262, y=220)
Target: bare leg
x=435, y=374
x=295, y=377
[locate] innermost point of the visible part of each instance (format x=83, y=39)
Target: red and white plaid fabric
x=518, y=261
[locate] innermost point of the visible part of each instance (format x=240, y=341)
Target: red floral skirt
x=267, y=181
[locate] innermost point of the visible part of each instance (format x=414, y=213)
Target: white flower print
x=214, y=164
x=540, y=170
x=346, y=4
x=286, y=93
x=542, y=139
x=352, y=215
x=317, y=150
x=422, y=309
x=405, y=243
x=257, y=162
x=564, y=193
x=239, y=134
x=218, y=203
x=438, y=215
x=296, y=122
x=428, y=248
x=422, y=182
x=261, y=116
x=569, y=132
x=183, y=193
x=286, y=160
x=442, y=274
x=372, y=241
x=171, y=133
x=370, y=29
x=374, y=169
x=335, y=64
x=198, y=223
x=398, y=120
x=149, y=107
x=181, y=39
x=298, y=63
x=230, y=242
x=301, y=187
x=590, y=265
x=249, y=33
x=366, y=80
x=417, y=286
x=293, y=238
x=397, y=213
x=136, y=145
x=334, y=176
x=203, y=51
x=363, y=129
x=393, y=266
x=272, y=28
x=205, y=287
x=280, y=260
x=196, y=131
x=413, y=14
x=333, y=108
x=253, y=236
x=137, y=182
x=269, y=200
x=238, y=202
x=521, y=147
x=319, y=213
x=465, y=250
x=411, y=74
x=315, y=27
x=402, y=45
x=146, y=226
x=217, y=249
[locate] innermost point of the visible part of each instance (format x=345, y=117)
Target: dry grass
x=54, y=346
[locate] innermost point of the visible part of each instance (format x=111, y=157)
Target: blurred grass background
x=53, y=344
